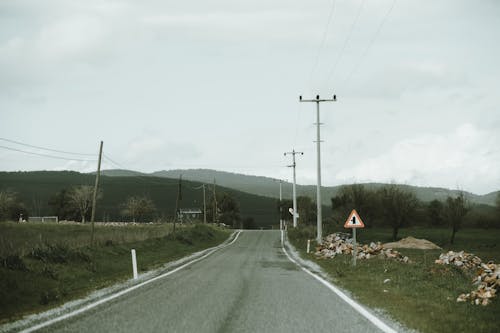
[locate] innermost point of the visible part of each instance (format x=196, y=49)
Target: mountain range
x=269, y=187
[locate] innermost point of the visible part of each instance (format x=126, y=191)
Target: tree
x=80, y=197
x=354, y=197
x=62, y=206
x=398, y=205
x=249, y=223
x=307, y=210
x=229, y=210
x=10, y=206
x=138, y=207
x=498, y=204
x=285, y=205
x=435, y=212
x=454, y=211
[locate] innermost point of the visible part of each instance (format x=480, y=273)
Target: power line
x=323, y=41
x=43, y=148
x=372, y=41
x=143, y=178
x=47, y=155
x=346, y=42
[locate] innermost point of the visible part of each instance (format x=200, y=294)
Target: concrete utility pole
x=318, y=151
x=94, y=198
x=294, y=193
x=281, y=208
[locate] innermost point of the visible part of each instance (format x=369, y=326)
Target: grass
x=56, y=272
x=21, y=239
x=422, y=295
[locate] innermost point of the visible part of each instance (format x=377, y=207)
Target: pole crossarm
x=318, y=100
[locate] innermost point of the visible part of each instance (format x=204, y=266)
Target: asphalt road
x=249, y=286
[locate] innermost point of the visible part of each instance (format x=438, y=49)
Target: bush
x=59, y=254
x=14, y=262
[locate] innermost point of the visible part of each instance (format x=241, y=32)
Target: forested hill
x=36, y=188
x=269, y=187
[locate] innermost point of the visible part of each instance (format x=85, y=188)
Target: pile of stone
x=487, y=281
x=340, y=243
x=461, y=259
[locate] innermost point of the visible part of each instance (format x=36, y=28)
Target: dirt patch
x=412, y=243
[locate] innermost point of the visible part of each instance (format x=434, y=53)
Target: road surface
x=249, y=286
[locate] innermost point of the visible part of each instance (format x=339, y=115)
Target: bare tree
x=137, y=207
x=81, y=198
x=398, y=205
x=358, y=197
x=454, y=211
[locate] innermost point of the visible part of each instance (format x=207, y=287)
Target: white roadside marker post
x=134, y=264
x=308, y=245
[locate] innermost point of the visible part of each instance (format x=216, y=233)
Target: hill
x=35, y=188
x=269, y=187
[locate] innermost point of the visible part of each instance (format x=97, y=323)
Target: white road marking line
x=373, y=319
x=123, y=292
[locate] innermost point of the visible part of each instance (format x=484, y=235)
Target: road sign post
x=354, y=222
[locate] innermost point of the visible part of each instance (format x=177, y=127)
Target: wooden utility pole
x=294, y=193
x=179, y=198
x=215, y=205
x=94, y=199
x=204, y=206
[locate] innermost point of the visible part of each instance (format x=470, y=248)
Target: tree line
x=395, y=207
x=75, y=204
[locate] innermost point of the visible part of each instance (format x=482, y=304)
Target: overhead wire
x=369, y=45
x=143, y=178
x=346, y=42
x=47, y=155
x=43, y=148
x=323, y=41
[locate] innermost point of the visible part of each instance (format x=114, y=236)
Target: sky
x=216, y=84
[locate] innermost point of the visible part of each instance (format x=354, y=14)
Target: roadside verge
x=37, y=321
x=315, y=271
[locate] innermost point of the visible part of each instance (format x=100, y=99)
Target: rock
x=340, y=243
x=486, y=279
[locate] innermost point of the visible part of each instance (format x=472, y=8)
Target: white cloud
x=467, y=158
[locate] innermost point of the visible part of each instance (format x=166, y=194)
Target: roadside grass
x=422, y=295
x=55, y=273
x=21, y=239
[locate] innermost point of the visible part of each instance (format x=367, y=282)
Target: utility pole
x=318, y=153
x=94, y=198
x=214, y=217
x=204, y=206
x=179, y=198
x=281, y=207
x=294, y=193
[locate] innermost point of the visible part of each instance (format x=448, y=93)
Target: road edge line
x=124, y=291
x=359, y=308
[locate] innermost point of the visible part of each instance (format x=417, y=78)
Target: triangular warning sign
x=354, y=221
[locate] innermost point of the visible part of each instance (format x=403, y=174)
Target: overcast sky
x=215, y=84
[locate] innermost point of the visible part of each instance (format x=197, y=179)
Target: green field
x=42, y=266
x=421, y=295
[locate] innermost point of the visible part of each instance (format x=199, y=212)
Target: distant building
x=189, y=214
